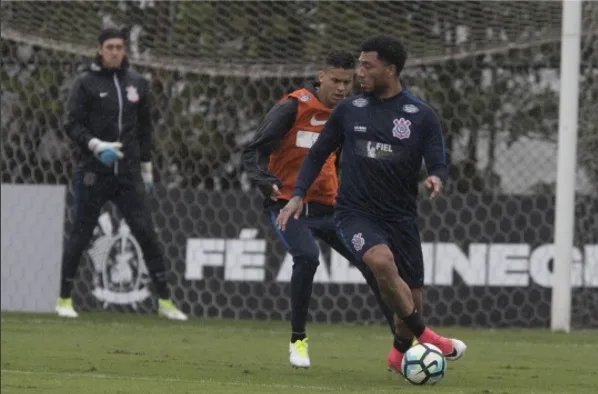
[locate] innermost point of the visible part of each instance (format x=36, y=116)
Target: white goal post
x=566, y=164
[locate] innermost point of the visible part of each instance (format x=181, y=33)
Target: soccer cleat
x=64, y=308
x=395, y=358
x=167, y=309
x=298, y=355
x=459, y=348
x=452, y=349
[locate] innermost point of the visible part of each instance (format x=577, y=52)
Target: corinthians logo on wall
x=120, y=275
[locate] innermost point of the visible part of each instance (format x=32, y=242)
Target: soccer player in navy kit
x=385, y=133
x=272, y=160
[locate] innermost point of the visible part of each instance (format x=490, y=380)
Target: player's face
x=112, y=52
x=373, y=74
x=335, y=85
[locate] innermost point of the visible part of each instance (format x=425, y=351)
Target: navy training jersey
x=383, y=142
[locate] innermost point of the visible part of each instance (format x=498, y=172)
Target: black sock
x=73, y=250
x=415, y=323
x=154, y=259
x=402, y=344
x=297, y=336
x=159, y=279
x=65, y=288
x=162, y=290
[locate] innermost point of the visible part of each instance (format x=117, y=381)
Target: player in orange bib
x=272, y=160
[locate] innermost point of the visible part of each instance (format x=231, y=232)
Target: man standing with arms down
x=272, y=161
x=385, y=133
x=108, y=118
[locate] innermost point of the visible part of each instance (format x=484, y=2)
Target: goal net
x=490, y=69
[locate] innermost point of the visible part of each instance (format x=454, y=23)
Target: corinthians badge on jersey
x=401, y=128
x=120, y=274
x=132, y=94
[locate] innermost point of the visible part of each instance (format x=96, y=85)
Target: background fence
x=490, y=69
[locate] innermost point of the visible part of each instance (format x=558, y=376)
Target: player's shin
x=70, y=263
x=73, y=250
x=159, y=278
x=395, y=292
x=157, y=271
x=304, y=269
x=397, y=295
x=302, y=278
x=388, y=313
x=154, y=259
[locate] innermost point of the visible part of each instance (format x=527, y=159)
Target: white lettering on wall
x=517, y=265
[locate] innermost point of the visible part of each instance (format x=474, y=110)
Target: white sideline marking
x=166, y=380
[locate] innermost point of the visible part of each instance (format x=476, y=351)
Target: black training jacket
x=111, y=105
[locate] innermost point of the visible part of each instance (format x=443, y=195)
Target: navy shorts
x=300, y=235
x=360, y=233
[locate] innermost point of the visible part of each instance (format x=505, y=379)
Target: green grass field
x=116, y=353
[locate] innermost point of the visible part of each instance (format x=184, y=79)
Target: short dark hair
x=111, y=32
x=340, y=59
x=389, y=50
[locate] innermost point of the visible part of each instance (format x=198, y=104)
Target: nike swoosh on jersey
x=315, y=122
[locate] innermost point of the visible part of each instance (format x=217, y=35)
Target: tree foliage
x=202, y=120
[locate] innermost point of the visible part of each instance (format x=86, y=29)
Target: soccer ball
x=423, y=364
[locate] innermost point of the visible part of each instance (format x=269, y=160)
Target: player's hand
x=106, y=152
x=293, y=208
x=434, y=184
x=148, y=176
x=275, y=193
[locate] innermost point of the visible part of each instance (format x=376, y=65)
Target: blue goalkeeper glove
x=147, y=176
x=106, y=152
